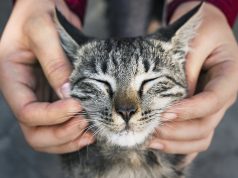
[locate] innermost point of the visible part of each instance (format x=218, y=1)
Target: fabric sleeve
x=228, y=7
x=77, y=6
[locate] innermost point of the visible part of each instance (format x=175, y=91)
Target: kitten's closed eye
x=106, y=84
x=148, y=83
x=101, y=84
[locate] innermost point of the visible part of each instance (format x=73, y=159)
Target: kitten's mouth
x=127, y=138
x=129, y=135
x=125, y=131
x=127, y=128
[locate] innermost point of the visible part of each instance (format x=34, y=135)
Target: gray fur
x=145, y=72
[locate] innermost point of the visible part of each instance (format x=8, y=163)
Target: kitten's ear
x=71, y=37
x=181, y=32
x=185, y=29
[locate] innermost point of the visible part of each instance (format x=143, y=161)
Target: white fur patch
x=131, y=138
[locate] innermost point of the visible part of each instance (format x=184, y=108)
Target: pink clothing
x=228, y=7
x=78, y=7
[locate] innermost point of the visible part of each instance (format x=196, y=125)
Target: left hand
x=215, y=54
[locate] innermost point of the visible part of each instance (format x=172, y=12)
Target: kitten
x=124, y=85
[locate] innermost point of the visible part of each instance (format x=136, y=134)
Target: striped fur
x=147, y=73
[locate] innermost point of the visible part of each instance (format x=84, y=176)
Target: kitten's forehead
x=121, y=58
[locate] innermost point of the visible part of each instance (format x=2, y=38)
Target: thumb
x=45, y=43
x=195, y=60
x=69, y=15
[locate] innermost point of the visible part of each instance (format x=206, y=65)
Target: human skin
x=50, y=127
x=30, y=40
x=215, y=54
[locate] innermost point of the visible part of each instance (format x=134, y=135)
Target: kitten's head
x=125, y=84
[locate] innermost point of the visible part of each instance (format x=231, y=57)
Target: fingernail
x=169, y=116
x=65, y=91
x=156, y=145
x=86, y=140
x=83, y=123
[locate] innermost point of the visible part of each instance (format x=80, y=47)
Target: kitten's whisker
x=97, y=132
x=70, y=116
x=90, y=127
x=167, y=125
x=157, y=131
x=86, y=130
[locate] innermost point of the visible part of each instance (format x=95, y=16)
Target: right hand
x=30, y=37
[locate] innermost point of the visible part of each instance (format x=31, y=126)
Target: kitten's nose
x=126, y=111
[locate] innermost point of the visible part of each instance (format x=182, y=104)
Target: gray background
x=18, y=160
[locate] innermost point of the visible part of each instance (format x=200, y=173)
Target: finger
x=17, y=85
x=188, y=159
x=45, y=43
x=195, y=60
x=72, y=146
x=24, y=103
x=200, y=52
x=69, y=15
x=197, y=128
x=182, y=147
x=212, y=98
x=48, y=136
x=44, y=113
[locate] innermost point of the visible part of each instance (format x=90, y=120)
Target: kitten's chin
x=128, y=138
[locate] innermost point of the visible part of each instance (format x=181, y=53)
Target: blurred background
x=18, y=160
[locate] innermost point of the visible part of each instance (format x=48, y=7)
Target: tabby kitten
x=124, y=85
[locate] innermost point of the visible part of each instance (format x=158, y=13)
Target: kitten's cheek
x=183, y=147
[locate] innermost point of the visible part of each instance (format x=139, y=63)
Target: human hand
x=215, y=54
x=55, y=127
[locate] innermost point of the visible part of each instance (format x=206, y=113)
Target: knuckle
x=73, y=106
x=38, y=149
x=23, y=117
x=208, y=125
x=167, y=148
x=30, y=139
x=205, y=128
x=206, y=143
x=233, y=100
x=215, y=101
x=204, y=147
x=54, y=65
x=198, y=124
x=64, y=133
x=55, y=69
x=203, y=135
x=161, y=132
x=60, y=134
x=73, y=146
